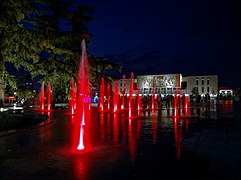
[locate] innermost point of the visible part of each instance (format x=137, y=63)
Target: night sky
x=201, y=37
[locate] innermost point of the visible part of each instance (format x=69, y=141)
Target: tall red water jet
x=41, y=98
x=153, y=94
x=83, y=94
x=123, y=91
x=131, y=93
x=116, y=97
x=73, y=96
x=108, y=95
x=186, y=100
x=186, y=105
x=49, y=96
x=139, y=103
x=102, y=93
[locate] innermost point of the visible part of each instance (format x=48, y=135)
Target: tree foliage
x=33, y=37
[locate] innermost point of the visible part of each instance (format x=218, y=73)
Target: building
x=170, y=84
x=202, y=84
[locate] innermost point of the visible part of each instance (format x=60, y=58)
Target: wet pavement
x=155, y=146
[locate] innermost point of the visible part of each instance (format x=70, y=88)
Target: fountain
x=102, y=94
x=153, y=95
x=41, y=98
x=123, y=91
x=108, y=95
x=139, y=102
x=49, y=97
x=82, y=99
x=73, y=96
x=116, y=97
x=131, y=94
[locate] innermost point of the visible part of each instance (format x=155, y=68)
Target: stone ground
x=209, y=147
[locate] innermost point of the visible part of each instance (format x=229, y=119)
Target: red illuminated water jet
x=82, y=106
x=123, y=91
x=139, y=102
x=108, y=95
x=131, y=94
x=73, y=96
x=116, y=97
x=41, y=98
x=49, y=97
x=153, y=94
x=102, y=94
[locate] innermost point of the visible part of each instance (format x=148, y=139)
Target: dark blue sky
x=170, y=36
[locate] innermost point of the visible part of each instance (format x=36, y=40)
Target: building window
x=202, y=89
x=207, y=89
x=202, y=81
x=208, y=80
x=197, y=81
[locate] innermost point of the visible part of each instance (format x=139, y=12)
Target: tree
x=63, y=60
x=32, y=37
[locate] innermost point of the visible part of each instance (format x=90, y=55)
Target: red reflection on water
x=227, y=106
x=80, y=168
x=132, y=140
x=175, y=111
x=116, y=128
x=49, y=117
x=178, y=137
x=154, y=130
x=186, y=123
x=124, y=127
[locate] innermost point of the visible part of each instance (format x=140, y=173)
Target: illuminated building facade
x=202, y=84
x=171, y=84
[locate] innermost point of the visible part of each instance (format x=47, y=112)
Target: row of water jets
x=80, y=99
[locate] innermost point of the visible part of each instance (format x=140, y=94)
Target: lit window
x=196, y=81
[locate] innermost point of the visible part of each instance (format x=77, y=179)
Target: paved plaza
x=153, y=146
